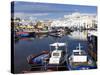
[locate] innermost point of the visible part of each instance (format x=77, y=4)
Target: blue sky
x=49, y=11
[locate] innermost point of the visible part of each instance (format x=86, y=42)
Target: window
x=55, y=54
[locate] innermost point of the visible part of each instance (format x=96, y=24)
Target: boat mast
x=56, y=47
x=79, y=49
x=80, y=36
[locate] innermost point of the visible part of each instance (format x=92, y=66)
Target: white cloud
x=75, y=13
x=34, y=15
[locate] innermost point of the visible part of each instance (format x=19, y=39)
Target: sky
x=33, y=10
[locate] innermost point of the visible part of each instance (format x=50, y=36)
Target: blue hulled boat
x=22, y=34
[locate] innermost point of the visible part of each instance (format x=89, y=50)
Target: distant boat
x=25, y=34
x=79, y=60
x=22, y=34
x=57, y=34
x=41, y=32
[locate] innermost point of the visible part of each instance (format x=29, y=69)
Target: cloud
x=28, y=15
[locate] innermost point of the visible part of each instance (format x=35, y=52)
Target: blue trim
x=24, y=35
x=39, y=59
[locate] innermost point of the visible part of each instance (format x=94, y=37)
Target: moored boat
x=79, y=60
x=37, y=60
x=49, y=60
x=22, y=34
x=58, y=57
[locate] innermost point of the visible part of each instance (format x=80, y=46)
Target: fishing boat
x=49, y=60
x=56, y=34
x=80, y=60
x=37, y=60
x=22, y=34
x=58, y=56
x=41, y=32
x=25, y=34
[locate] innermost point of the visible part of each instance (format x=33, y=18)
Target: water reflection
x=79, y=35
x=26, y=46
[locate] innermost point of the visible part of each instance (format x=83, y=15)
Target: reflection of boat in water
x=49, y=60
x=41, y=32
x=26, y=38
x=80, y=60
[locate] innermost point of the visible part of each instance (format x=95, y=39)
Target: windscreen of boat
x=77, y=53
x=55, y=54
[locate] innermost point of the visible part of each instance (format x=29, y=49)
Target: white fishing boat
x=80, y=60
x=58, y=56
x=50, y=60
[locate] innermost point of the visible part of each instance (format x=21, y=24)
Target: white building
x=76, y=20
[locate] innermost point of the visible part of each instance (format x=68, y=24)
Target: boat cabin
x=79, y=55
x=57, y=55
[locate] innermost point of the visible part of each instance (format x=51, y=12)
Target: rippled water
x=26, y=46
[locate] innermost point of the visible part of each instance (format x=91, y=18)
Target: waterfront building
x=77, y=20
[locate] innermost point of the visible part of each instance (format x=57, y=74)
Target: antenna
x=56, y=46
x=80, y=37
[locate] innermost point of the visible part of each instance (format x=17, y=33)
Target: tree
x=38, y=24
x=18, y=19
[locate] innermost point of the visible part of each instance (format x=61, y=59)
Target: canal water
x=27, y=46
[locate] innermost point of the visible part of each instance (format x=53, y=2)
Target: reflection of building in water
x=76, y=20
x=78, y=35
